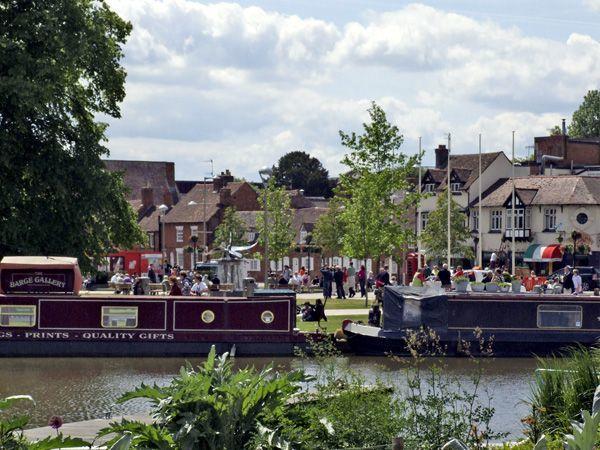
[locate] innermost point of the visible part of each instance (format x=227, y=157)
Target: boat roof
x=47, y=262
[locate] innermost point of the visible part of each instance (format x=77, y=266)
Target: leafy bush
x=563, y=387
x=213, y=407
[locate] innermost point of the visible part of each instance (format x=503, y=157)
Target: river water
x=86, y=388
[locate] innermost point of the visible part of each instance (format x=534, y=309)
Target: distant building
x=547, y=210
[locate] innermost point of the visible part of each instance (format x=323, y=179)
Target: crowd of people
x=175, y=281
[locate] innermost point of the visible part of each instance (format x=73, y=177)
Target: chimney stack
x=147, y=197
x=441, y=157
x=167, y=198
x=225, y=197
x=564, y=127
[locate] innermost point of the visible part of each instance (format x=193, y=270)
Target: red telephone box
x=412, y=265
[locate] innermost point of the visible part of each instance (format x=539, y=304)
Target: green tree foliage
x=231, y=230
x=435, y=235
x=59, y=66
x=299, y=170
x=376, y=192
x=586, y=120
x=555, y=131
x=279, y=221
x=330, y=229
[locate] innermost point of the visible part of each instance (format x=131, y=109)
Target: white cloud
x=244, y=85
x=594, y=5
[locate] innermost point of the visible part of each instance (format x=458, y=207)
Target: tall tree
x=60, y=69
x=586, y=120
x=375, y=215
x=434, y=237
x=279, y=228
x=299, y=170
x=231, y=230
x=330, y=230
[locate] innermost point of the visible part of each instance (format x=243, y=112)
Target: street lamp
x=162, y=209
x=204, y=231
x=194, y=240
x=265, y=174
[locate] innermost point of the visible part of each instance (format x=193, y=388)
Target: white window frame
x=520, y=219
x=475, y=218
x=496, y=219
x=26, y=311
x=429, y=187
x=151, y=240
x=455, y=187
x=179, y=233
x=424, y=219
x=550, y=219
x=180, y=257
x=193, y=231
x=122, y=313
x=253, y=265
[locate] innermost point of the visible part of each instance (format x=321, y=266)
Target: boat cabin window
x=559, y=316
x=17, y=316
x=119, y=316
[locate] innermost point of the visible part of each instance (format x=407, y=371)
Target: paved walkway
x=86, y=430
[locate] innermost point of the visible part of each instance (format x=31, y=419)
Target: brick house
x=201, y=209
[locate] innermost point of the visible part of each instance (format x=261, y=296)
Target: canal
x=86, y=388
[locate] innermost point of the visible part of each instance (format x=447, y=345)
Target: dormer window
x=455, y=187
x=429, y=187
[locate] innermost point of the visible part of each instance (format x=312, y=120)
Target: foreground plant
x=11, y=430
x=211, y=407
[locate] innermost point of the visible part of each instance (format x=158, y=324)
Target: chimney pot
x=441, y=157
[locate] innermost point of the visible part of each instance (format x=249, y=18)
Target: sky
x=244, y=83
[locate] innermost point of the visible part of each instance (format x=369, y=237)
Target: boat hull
x=129, y=326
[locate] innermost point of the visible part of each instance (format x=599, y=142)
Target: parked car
x=589, y=276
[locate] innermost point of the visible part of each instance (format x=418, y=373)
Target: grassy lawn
x=334, y=303
x=332, y=324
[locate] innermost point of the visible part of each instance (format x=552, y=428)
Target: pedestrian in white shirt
x=199, y=287
x=577, y=283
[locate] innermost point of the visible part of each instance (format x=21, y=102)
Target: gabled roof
x=183, y=212
x=466, y=167
x=549, y=190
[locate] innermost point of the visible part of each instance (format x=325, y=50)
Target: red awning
x=543, y=253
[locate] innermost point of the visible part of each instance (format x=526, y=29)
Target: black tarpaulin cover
x=408, y=307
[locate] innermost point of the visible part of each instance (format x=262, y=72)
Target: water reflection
x=86, y=388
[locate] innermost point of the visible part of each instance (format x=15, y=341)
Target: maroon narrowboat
x=41, y=314
x=517, y=324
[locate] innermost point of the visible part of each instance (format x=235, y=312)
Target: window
x=429, y=187
x=253, y=265
x=455, y=187
x=267, y=317
x=193, y=232
x=179, y=234
x=550, y=219
x=475, y=219
x=559, y=316
x=496, y=220
x=119, y=316
x=17, y=316
x=151, y=240
x=519, y=221
x=424, y=218
x=303, y=234
x=582, y=218
x=179, y=252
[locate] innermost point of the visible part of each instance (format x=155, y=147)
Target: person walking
x=151, y=274
x=362, y=280
x=338, y=277
x=577, y=283
x=327, y=279
x=445, y=276
x=351, y=280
